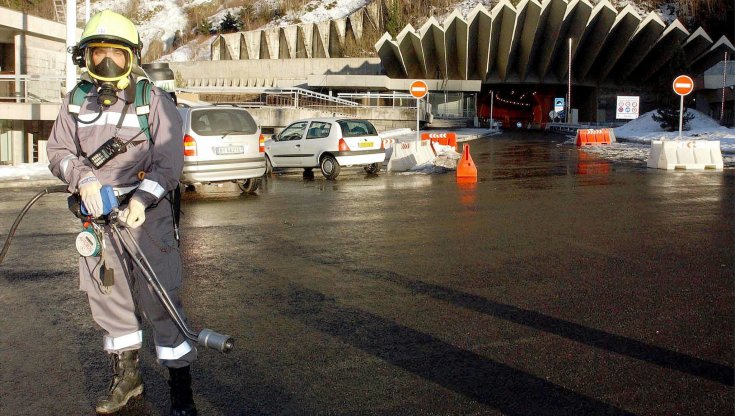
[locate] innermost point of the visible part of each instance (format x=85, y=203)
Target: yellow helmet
x=112, y=36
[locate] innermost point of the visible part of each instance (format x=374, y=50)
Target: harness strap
x=78, y=94
x=142, y=104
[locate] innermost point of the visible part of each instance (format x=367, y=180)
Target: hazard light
x=261, y=144
x=343, y=146
x=190, y=146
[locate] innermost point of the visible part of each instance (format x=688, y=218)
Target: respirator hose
x=59, y=188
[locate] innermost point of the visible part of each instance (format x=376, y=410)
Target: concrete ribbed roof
x=528, y=43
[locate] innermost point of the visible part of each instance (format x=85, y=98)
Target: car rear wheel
x=373, y=168
x=330, y=167
x=249, y=185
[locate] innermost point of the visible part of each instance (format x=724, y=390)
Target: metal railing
x=394, y=99
x=283, y=97
x=32, y=88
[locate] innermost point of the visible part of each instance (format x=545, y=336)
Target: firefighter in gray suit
x=143, y=176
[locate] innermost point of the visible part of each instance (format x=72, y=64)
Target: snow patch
x=644, y=129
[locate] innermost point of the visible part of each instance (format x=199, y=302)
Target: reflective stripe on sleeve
x=168, y=353
x=152, y=188
x=124, y=341
x=64, y=165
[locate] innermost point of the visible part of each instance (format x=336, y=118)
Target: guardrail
x=32, y=88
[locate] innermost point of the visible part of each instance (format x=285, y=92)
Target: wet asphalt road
x=559, y=284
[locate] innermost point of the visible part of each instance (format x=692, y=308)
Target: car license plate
x=365, y=144
x=229, y=150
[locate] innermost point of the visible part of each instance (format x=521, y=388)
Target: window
x=318, y=130
x=356, y=128
x=219, y=121
x=293, y=132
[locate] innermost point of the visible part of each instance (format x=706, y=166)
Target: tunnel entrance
x=529, y=106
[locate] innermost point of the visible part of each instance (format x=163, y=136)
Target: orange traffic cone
x=466, y=169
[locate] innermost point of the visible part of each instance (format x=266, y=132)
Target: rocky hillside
x=166, y=25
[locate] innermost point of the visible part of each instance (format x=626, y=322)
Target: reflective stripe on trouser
x=156, y=239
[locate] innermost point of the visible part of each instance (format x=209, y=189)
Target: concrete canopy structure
x=528, y=43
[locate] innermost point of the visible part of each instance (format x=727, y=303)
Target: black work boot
x=126, y=382
x=182, y=398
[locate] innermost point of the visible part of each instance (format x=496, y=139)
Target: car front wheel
x=330, y=167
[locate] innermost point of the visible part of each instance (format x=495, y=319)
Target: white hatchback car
x=326, y=143
x=222, y=144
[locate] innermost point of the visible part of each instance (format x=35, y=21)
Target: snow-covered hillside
x=161, y=19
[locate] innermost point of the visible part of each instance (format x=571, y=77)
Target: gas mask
x=110, y=65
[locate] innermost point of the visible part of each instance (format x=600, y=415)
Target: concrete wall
x=285, y=72
x=44, y=57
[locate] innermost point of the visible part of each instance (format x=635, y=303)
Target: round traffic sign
x=419, y=89
x=683, y=85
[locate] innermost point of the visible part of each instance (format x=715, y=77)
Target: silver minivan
x=222, y=144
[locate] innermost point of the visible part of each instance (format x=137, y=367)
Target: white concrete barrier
x=685, y=154
x=408, y=155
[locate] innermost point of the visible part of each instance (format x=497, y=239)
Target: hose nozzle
x=210, y=339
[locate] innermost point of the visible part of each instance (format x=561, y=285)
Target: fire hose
x=206, y=337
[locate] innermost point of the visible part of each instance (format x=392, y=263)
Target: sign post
x=683, y=85
x=418, y=90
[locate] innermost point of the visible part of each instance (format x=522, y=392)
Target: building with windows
x=32, y=65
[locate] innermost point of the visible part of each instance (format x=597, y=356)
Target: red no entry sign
x=683, y=85
x=419, y=89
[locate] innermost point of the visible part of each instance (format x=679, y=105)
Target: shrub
x=230, y=23
x=668, y=118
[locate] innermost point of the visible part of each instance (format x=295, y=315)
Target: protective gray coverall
x=161, y=158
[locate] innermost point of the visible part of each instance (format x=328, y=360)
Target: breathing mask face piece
x=108, y=62
x=107, y=68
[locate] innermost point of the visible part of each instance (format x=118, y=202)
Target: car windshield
x=222, y=121
x=356, y=128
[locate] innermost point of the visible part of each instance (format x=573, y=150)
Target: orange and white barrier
x=408, y=155
x=444, y=139
x=588, y=137
x=685, y=154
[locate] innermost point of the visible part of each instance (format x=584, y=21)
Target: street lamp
x=569, y=83
x=724, y=81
